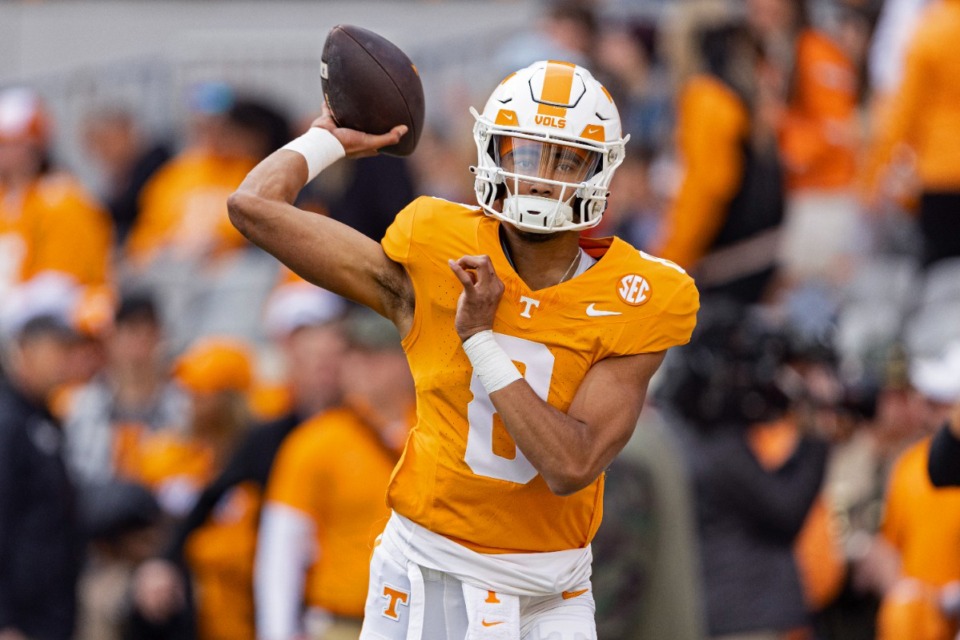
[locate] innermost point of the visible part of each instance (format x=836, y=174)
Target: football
x=370, y=85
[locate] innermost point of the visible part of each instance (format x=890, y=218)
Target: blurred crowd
x=195, y=443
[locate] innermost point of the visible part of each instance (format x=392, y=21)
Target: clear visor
x=545, y=160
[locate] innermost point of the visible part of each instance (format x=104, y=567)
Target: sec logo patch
x=634, y=289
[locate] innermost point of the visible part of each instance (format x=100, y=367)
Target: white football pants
x=415, y=603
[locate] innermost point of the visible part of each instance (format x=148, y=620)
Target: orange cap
x=23, y=117
x=215, y=364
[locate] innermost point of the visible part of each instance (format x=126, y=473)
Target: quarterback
x=531, y=349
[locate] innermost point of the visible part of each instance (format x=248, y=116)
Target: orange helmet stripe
x=557, y=83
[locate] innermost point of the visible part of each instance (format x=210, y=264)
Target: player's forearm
x=559, y=447
x=279, y=177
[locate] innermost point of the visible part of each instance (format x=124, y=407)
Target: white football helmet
x=548, y=142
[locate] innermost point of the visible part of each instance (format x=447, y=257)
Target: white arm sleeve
x=286, y=546
x=891, y=39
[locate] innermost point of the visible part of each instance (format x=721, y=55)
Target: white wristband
x=319, y=148
x=490, y=362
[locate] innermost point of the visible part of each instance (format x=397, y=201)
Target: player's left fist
x=482, y=290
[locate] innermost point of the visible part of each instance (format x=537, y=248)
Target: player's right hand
x=358, y=144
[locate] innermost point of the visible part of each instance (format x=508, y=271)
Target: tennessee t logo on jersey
x=395, y=597
x=528, y=302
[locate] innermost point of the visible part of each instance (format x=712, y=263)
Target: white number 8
x=480, y=456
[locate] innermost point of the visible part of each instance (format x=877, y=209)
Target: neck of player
x=541, y=261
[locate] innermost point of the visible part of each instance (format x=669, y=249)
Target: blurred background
x=801, y=159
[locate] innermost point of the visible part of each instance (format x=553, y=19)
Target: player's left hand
x=482, y=290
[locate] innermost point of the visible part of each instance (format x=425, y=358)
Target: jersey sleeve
x=398, y=239
x=675, y=322
x=296, y=469
x=666, y=321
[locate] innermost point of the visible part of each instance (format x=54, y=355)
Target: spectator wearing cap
x=132, y=395
x=302, y=321
x=922, y=523
x=217, y=374
x=47, y=220
x=324, y=503
x=40, y=541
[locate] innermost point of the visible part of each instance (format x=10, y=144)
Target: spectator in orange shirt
x=921, y=524
x=923, y=125
x=723, y=224
x=303, y=321
x=217, y=373
x=820, y=142
x=183, y=246
x=48, y=222
x=183, y=207
x=325, y=499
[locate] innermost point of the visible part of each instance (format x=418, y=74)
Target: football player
x=531, y=349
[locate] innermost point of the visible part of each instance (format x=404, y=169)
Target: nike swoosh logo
x=573, y=594
x=491, y=624
x=593, y=312
x=592, y=130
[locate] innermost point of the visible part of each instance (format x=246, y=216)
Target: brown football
x=370, y=85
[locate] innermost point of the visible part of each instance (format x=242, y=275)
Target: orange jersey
x=461, y=475
x=921, y=521
x=54, y=225
x=924, y=113
x=713, y=123
x=220, y=553
x=184, y=206
x=824, y=104
x=335, y=469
